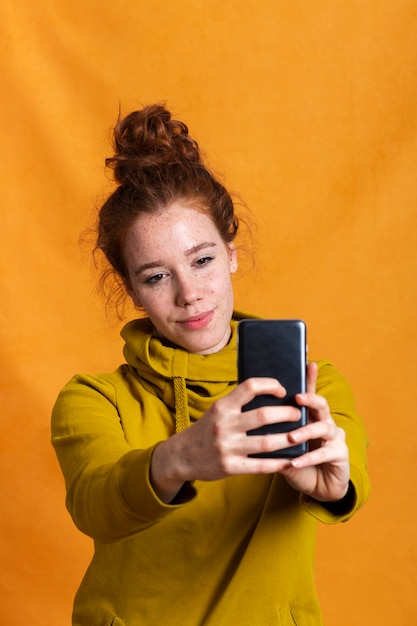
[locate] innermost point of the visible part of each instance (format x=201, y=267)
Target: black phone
x=275, y=348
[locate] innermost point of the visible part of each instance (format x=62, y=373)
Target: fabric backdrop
x=308, y=109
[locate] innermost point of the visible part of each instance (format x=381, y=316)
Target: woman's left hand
x=323, y=472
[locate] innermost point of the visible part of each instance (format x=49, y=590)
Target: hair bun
x=149, y=138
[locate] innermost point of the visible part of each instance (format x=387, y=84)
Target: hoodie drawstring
x=182, y=418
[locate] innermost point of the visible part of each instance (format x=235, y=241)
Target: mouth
x=195, y=322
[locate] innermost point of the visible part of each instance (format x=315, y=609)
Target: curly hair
x=155, y=164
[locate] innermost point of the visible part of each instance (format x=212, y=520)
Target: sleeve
x=109, y=493
x=334, y=387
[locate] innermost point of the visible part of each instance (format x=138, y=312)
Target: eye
x=155, y=278
x=204, y=260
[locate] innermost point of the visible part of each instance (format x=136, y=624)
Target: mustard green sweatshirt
x=235, y=551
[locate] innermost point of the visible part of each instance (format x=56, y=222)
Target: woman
x=188, y=529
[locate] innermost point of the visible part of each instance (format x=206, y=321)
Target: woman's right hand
x=217, y=445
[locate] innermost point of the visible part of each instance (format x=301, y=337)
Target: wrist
x=164, y=473
x=344, y=505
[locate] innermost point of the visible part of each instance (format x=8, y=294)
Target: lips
x=196, y=322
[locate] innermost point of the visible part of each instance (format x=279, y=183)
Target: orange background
x=309, y=108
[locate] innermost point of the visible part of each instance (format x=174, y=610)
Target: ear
x=232, y=257
x=133, y=295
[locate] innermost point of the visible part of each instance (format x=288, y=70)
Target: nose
x=188, y=290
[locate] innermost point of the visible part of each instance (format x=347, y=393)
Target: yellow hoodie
x=235, y=551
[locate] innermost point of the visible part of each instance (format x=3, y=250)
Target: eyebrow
x=193, y=250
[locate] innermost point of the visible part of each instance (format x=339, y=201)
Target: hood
x=187, y=383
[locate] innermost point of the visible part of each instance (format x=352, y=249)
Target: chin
x=207, y=347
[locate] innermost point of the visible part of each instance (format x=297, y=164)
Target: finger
x=316, y=404
x=312, y=372
x=334, y=453
x=326, y=432
x=253, y=387
x=267, y=415
x=258, y=465
x=267, y=444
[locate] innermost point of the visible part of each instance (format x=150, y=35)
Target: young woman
x=188, y=529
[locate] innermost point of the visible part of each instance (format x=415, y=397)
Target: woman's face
x=180, y=273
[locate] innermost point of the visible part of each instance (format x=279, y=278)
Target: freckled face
x=180, y=273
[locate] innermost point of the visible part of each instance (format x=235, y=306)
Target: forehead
x=175, y=228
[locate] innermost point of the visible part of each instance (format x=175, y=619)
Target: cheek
x=158, y=303
x=222, y=288
x=150, y=301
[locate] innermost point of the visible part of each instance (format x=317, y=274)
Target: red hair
x=156, y=163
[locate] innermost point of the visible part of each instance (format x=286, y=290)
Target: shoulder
x=88, y=394
x=332, y=384
x=105, y=383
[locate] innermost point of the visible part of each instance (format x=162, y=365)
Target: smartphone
x=275, y=348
